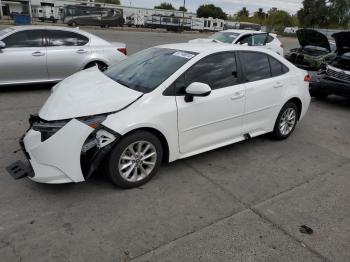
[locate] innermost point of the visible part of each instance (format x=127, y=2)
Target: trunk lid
x=309, y=37
x=342, y=40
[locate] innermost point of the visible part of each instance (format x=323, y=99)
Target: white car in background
x=161, y=104
x=39, y=54
x=246, y=37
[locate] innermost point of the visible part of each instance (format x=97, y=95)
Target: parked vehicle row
x=332, y=60
x=37, y=54
x=246, y=37
x=159, y=105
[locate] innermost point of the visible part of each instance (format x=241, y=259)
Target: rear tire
x=286, y=121
x=134, y=160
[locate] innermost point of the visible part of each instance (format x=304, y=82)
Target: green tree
x=278, y=17
x=243, y=13
x=115, y=2
x=211, y=11
x=314, y=13
x=183, y=9
x=165, y=5
x=339, y=12
x=260, y=16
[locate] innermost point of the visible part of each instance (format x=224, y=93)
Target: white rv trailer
x=207, y=24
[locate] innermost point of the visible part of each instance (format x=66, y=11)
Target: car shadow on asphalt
x=334, y=101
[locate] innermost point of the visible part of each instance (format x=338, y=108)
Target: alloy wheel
x=137, y=161
x=288, y=121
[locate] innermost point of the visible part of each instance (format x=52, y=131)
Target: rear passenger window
x=277, y=68
x=218, y=71
x=65, y=38
x=270, y=39
x=256, y=66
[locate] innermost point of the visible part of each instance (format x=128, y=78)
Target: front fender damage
x=57, y=159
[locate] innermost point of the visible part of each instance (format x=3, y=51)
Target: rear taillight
x=307, y=78
x=122, y=50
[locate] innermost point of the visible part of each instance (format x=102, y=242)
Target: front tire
x=135, y=159
x=286, y=121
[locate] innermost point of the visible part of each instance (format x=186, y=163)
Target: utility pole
x=183, y=15
x=1, y=14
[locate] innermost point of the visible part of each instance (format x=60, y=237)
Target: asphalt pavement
x=243, y=202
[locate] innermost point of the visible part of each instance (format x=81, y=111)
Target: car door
x=67, y=53
x=216, y=118
x=24, y=58
x=264, y=90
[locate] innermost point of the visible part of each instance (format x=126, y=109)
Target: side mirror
x=2, y=45
x=196, y=89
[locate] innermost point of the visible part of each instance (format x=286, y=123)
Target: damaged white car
x=160, y=105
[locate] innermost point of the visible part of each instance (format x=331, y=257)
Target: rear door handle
x=237, y=95
x=278, y=85
x=81, y=51
x=38, y=53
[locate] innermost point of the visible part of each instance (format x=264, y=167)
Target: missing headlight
x=47, y=129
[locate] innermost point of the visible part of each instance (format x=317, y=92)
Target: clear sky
x=229, y=6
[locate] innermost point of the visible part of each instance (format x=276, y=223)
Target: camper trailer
x=170, y=23
x=207, y=24
x=137, y=20
x=47, y=13
x=75, y=15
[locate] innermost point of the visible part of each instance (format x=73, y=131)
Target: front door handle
x=38, y=53
x=81, y=51
x=237, y=95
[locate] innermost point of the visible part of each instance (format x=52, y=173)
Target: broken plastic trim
x=96, y=147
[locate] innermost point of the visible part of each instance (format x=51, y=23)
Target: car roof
x=27, y=27
x=209, y=47
x=242, y=31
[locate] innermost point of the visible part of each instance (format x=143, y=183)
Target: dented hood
x=342, y=40
x=309, y=37
x=89, y=92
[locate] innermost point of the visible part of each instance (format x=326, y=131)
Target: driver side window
x=218, y=71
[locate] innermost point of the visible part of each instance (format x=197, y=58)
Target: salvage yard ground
x=243, y=202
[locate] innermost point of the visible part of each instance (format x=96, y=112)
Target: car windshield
x=5, y=31
x=225, y=37
x=146, y=70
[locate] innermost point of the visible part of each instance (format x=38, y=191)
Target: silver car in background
x=39, y=54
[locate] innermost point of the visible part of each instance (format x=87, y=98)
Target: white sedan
x=247, y=37
x=161, y=104
x=40, y=54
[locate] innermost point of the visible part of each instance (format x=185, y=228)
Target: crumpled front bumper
x=57, y=159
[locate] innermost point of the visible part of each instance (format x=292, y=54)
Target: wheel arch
x=94, y=60
x=298, y=103
x=158, y=134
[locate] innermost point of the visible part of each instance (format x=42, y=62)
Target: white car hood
x=89, y=92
